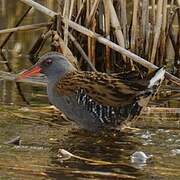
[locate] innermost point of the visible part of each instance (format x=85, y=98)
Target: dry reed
x=146, y=29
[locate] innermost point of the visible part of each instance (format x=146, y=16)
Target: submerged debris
x=14, y=141
x=139, y=157
x=175, y=152
x=64, y=155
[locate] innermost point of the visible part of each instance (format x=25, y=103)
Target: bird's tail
x=156, y=78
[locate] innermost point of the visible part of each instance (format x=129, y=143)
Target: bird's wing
x=104, y=89
x=130, y=75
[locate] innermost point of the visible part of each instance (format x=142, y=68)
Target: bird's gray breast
x=73, y=110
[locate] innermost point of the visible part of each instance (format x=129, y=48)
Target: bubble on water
x=175, y=152
x=139, y=157
x=146, y=135
x=25, y=109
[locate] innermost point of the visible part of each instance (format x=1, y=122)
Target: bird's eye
x=48, y=61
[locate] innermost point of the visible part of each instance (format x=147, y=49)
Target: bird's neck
x=56, y=77
x=53, y=79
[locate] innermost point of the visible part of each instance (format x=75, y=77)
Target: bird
x=95, y=100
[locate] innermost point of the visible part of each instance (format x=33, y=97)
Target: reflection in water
x=43, y=134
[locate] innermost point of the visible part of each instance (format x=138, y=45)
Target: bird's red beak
x=35, y=70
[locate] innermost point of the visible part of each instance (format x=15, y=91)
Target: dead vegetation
x=109, y=36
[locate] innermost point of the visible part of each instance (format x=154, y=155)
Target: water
x=43, y=131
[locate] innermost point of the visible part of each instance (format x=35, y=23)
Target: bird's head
x=52, y=64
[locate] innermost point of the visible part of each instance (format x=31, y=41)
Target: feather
x=104, y=89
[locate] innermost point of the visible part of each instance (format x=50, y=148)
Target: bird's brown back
x=104, y=89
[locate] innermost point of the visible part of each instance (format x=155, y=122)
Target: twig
x=115, y=24
x=33, y=53
x=5, y=61
x=14, y=141
x=83, y=54
x=148, y=110
x=153, y=12
x=178, y=2
x=71, y=8
x=8, y=36
x=40, y=8
x=163, y=33
x=134, y=25
x=25, y=28
x=7, y=64
x=25, y=171
x=104, y=41
x=92, y=13
x=64, y=153
x=93, y=44
x=11, y=77
x=64, y=48
x=17, y=24
x=157, y=30
x=39, y=120
x=125, y=52
x=123, y=21
x=144, y=23
x=66, y=16
x=108, y=64
x=21, y=93
x=80, y=11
